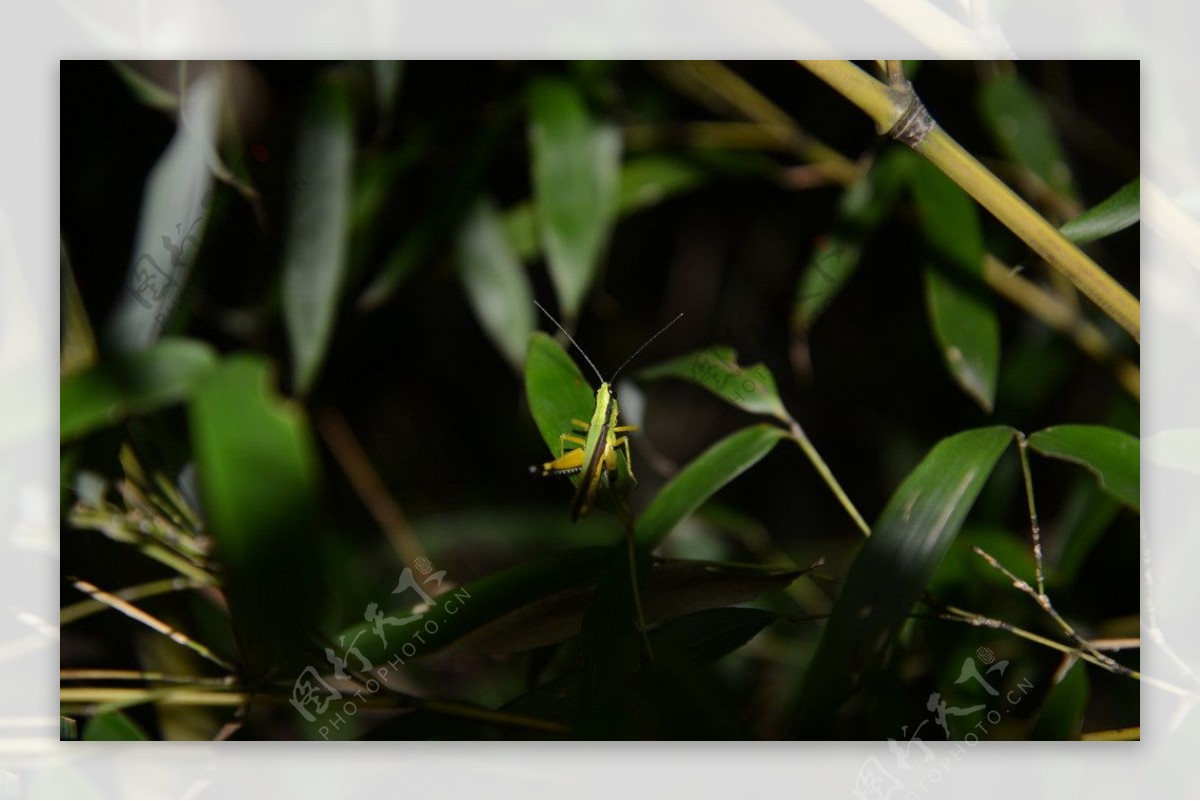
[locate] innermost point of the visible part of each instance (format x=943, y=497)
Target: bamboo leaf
x=1116, y=213
x=716, y=369
x=1112, y=456
x=496, y=283
x=835, y=257
x=112, y=726
x=174, y=210
x=315, y=256
x=963, y=318
x=132, y=384
x=257, y=465
x=576, y=168
x=702, y=478
x=1062, y=713
x=893, y=566
x=544, y=601
x=1024, y=131
x=556, y=390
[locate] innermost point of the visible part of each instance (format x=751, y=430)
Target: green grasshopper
x=596, y=456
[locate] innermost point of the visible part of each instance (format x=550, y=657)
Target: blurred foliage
x=295, y=452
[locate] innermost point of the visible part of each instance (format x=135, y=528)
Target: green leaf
x=609, y=642
x=650, y=179
x=1024, y=131
x=543, y=601
x=894, y=565
x=716, y=369
x=1112, y=456
x=1061, y=717
x=963, y=318
x=696, y=640
x=316, y=241
x=113, y=726
x=174, y=209
x=861, y=208
x=132, y=384
x=1116, y=213
x=702, y=478
x=576, y=162
x=703, y=637
x=496, y=283
x=556, y=390
x=671, y=589
x=258, y=466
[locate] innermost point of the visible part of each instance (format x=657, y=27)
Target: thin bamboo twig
x=797, y=435
x=959, y=615
x=82, y=609
x=1042, y=600
x=148, y=677
x=708, y=80
x=370, y=487
x=1130, y=733
x=1060, y=314
x=146, y=619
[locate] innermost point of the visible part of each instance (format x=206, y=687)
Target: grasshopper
x=595, y=456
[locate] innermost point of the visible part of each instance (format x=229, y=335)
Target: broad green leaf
x=132, y=384
x=576, y=162
x=671, y=589
x=696, y=639
x=963, y=318
x=861, y=208
x=543, y=601
x=1024, y=131
x=315, y=255
x=496, y=282
x=1112, y=456
x=258, y=472
x=1062, y=713
x=716, y=369
x=609, y=643
x=175, y=207
x=112, y=726
x=556, y=390
x=895, y=564
x=702, y=478
x=703, y=637
x=1116, y=213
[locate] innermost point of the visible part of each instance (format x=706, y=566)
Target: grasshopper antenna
x=573, y=342
x=643, y=347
